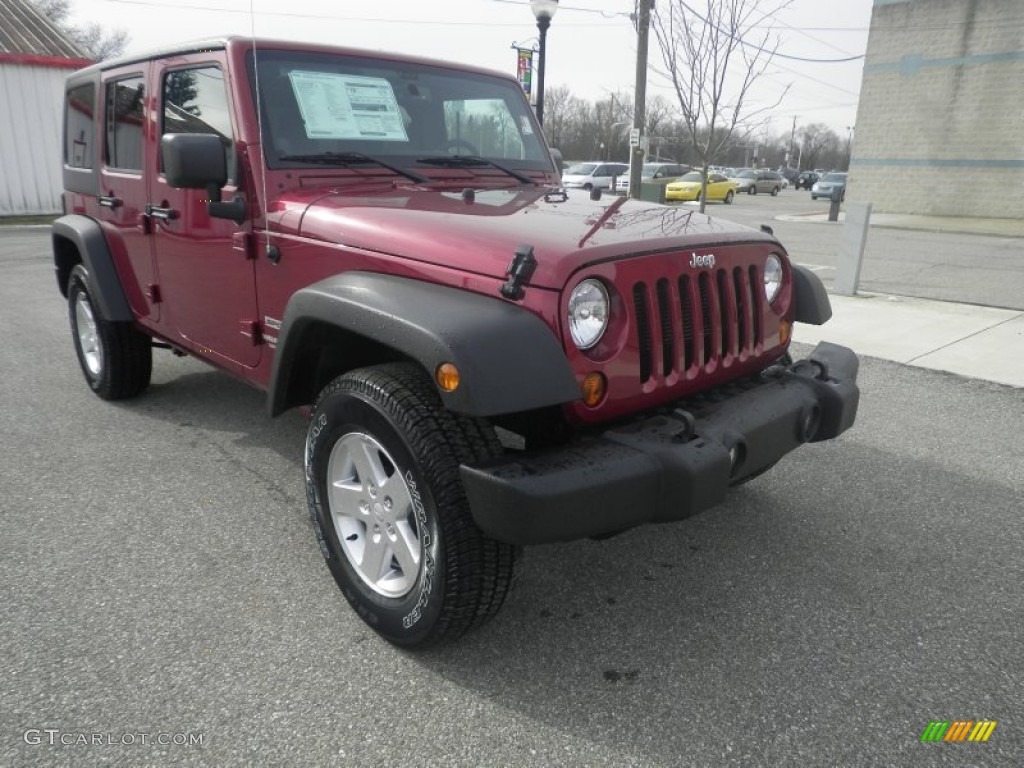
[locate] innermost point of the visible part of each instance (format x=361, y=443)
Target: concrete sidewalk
x=973, y=341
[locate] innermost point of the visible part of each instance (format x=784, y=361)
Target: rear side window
x=195, y=101
x=79, y=128
x=125, y=101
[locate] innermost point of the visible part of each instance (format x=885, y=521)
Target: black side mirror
x=198, y=161
x=194, y=161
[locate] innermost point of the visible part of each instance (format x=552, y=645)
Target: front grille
x=688, y=325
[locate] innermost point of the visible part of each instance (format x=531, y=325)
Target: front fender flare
x=812, y=304
x=509, y=360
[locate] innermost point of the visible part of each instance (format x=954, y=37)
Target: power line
x=774, y=53
x=606, y=14
x=370, y=20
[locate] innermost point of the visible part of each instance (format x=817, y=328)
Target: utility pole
x=792, y=136
x=636, y=155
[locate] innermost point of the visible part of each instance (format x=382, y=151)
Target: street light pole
x=543, y=11
x=636, y=154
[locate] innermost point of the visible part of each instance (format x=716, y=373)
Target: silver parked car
x=752, y=181
x=824, y=186
x=653, y=173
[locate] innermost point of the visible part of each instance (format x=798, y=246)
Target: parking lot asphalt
x=160, y=577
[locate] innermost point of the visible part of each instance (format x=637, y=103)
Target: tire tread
x=479, y=571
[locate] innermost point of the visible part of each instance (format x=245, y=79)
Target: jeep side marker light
x=593, y=388
x=783, y=331
x=447, y=376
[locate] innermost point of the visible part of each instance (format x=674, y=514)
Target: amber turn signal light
x=593, y=388
x=784, y=329
x=447, y=376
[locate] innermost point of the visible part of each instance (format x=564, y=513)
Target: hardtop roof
x=245, y=43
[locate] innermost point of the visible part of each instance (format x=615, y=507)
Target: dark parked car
x=789, y=174
x=806, y=180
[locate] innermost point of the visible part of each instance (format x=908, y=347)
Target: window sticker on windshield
x=348, y=107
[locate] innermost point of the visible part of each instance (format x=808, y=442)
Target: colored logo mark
x=958, y=730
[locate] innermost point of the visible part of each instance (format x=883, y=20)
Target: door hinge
x=251, y=328
x=242, y=244
x=153, y=292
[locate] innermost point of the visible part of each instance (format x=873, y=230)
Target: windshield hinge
x=241, y=243
x=519, y=271
x=251, y=329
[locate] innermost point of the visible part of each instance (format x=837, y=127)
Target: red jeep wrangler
x=489, y=362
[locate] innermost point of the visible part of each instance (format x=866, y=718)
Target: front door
x=207, y=282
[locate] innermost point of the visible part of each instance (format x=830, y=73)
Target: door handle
x=109, y=201
x=156, y=212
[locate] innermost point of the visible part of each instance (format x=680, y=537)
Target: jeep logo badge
x=702, y=261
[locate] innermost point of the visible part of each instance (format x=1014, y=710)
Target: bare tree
x=713, y=60
x=820, y=145
x=98, y=42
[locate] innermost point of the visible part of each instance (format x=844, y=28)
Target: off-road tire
x=116, y=359
x=462, y=577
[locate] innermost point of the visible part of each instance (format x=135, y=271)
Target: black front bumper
x=669, y=465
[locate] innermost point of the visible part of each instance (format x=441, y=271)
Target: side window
x=195, y=101
x=79, y=128
x=124, y=123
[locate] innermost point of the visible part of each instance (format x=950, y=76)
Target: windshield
x=834, y=177
x=583, y=169
x=318, y=104
x=746, y=175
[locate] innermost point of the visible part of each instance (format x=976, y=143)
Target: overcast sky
x=591, y=43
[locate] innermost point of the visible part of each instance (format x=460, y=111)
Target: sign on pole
x=524, y=68
x=634, y=137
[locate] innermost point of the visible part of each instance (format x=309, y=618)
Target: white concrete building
x=35, y=57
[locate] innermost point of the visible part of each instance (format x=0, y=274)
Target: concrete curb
x=1013, y=228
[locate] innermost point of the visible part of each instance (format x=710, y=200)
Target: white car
x=592, y=175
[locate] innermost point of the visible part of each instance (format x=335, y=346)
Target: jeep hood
x=481, y=234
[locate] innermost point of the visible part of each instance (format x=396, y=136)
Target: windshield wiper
x=470, y=161
x=353, y=158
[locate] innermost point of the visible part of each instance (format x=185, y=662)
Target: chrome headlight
x=588, y=313
x=772, y=277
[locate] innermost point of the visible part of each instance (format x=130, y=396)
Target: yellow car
x=687, y=187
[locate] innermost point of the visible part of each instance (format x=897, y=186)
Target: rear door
x=207, y=278
x=124, y=167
